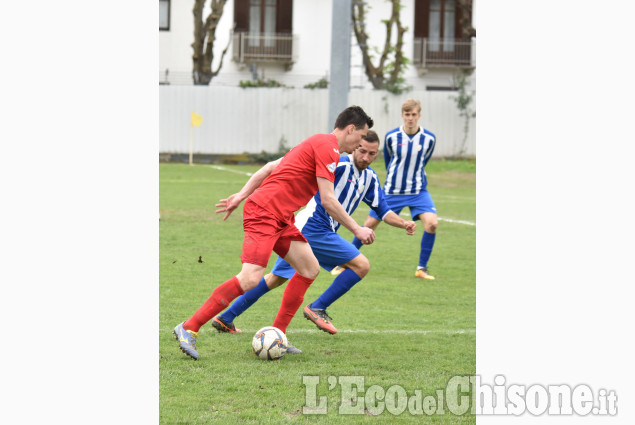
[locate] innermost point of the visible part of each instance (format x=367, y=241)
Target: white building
x=289, y=41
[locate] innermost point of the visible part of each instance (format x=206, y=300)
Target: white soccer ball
x=269, y=343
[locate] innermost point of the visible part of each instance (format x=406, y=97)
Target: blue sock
x=245, y=301
x=341, y=285
x=357, y=243
x=427, y=242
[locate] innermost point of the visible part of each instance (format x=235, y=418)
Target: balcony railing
x=443, y=53
x=249, y=47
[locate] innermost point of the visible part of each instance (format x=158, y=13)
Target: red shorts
x=265, y=233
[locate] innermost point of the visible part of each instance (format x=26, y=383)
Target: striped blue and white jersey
x=351, y=187
x=406, y=158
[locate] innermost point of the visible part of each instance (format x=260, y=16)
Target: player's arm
x=233, y=201
x=375, y=200
x=396, y=221
x=338, y=213
x=387, y=152
x=428, y=153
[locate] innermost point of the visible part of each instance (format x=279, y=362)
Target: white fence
x=237, y=120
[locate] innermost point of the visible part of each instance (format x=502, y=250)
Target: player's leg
x=262, y=231
x=224, y=294
x=187, y=332
x=372, y=221
x=423, y=209
x=354, y=271
x=331, y=248
x=280, y=273
x=301, y=258
x=428, y=238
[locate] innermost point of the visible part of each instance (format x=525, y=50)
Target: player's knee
x=314, y=271
x=273, y=281
x=360, y=265
x=365, y=268
x=431, y=226
x=247, y=282
x=310, y=269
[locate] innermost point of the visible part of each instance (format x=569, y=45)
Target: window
x=164, y=15
x=262, y=21
x=263, y=31
x=436, y=21
x=438, y=33
x=263, y=17
x=441, y=25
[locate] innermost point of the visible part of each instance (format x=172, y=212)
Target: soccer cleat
x=320, y=318
x=292, y=350
x=423, y=273
x=337, y=270
x=223, y=326
x=187, y=340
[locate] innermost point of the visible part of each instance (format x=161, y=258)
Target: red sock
x=224, y=294
x=291, y=300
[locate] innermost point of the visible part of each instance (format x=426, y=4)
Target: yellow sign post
x=195, y=122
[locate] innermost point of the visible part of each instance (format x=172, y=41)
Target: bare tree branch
x=377, y=74
x=204, y=39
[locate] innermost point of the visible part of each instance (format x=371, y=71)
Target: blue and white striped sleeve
x=433, y=142
x=375, y=196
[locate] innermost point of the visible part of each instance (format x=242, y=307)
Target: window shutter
x=458, y=27
x=284, y=20
x=241, y=15
x=422, y=18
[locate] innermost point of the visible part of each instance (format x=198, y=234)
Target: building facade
x=289, y=41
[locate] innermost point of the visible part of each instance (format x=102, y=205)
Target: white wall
x=239, y=120
x=175, y=52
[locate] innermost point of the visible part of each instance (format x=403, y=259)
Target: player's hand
x=411, y=227
x=366, y=235
x=228, y=205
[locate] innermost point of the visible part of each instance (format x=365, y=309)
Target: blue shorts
x=418, y=204
x=329, y=248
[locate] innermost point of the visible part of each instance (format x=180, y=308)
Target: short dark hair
x=371, y=137
x=353, y=115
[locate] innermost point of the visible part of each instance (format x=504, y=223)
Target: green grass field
x=394, y=329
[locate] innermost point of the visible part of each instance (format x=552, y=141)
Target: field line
x=218, y=167
x=392, y=331
x=450, y=220
x=370, y=331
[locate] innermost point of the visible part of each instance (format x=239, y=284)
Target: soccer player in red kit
x=268, y=222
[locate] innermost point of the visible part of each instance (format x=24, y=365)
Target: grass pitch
x=394, y=329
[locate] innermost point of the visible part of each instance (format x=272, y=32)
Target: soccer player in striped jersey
x=354, y=182
x=407, y=150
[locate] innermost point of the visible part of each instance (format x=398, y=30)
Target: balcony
x=458, y=53
x=264, y=48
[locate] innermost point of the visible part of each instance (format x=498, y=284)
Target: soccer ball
x=269, y=343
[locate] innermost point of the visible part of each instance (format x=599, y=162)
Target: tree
x=387, y=74
x=465, y=18
x=464, y=105
x=204, y=38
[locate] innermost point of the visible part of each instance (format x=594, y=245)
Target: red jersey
x=294, y=181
